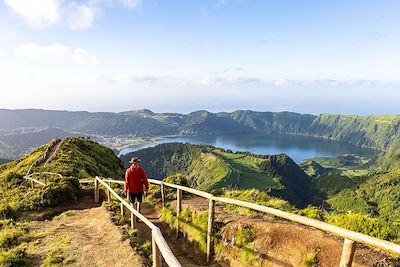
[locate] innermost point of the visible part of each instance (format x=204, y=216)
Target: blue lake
x=298, y=148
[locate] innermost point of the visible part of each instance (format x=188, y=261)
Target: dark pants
x=135, y=197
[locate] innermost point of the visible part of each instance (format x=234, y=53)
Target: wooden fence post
x=162, y=194
x=347, y=253
x=133, y=218
x=178, y=209
x=96, y=191
x=109, y=194
x=211, y=217
x=178, y=202
x=157, y=258
x=122, y=210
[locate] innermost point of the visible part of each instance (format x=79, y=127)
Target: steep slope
x=296, y=184
x=207, y=168
x=367, y=131
x=378, y=196
x=84, y=158
x=388, y=160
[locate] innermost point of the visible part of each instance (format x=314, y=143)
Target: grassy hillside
x=368, y=131
x=207, y=168
x=84, y=158
x=388, y=160
x=378, y=196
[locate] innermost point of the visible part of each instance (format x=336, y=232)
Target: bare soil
x=86, y=235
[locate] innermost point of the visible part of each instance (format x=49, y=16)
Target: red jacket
x=135, y=179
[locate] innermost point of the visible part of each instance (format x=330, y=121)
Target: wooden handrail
x=49, y=173
x=159, y=244
x=349, y=236
x=336, y=230
x=34, y=180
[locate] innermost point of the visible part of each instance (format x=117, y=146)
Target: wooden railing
x=160, y=247
x=33, y=180
x=44, y=156
x=350, y=237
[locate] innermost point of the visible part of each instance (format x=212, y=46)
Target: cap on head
x=134, y=160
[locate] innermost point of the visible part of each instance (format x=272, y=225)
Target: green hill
x=76, y=158
x=207, y=168
x=84, y=158
x=313, y=168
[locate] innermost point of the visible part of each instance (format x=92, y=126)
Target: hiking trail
x=86, y=235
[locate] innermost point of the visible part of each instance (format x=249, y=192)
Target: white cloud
x=55, y=52
x=38, y=13
x=81, y=16
x=77, y=14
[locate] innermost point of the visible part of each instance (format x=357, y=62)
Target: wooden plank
x=122, y=210
x=109, y=194
x=157, y=257
x=166, y=252
x=178, y=209
x=133, y=218
x=96, y=191
x=347, y=253
x=211, y=217
x=178, y=202
x=190, y=190
x=162, y=194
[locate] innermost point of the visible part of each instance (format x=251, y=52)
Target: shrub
x=177, y=179
x=7, y=212
x=363, y=224
x=9, y=237
x=14, y=179
x=55, y=193
x=16, y=257
x=313, y=213
x=245, y=235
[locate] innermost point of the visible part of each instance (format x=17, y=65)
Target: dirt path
x=83, y=237
x=52, y=151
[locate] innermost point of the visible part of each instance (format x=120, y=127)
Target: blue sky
x=220, y=55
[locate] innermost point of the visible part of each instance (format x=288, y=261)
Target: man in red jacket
x=135, y=182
